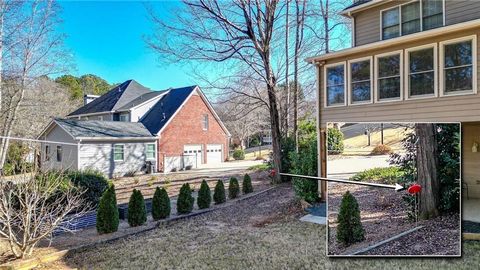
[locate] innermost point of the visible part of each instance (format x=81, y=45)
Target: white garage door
x=193, y=155
x=214, y=153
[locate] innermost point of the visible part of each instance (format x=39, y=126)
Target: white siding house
x=114, y=148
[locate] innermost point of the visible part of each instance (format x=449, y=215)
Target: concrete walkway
x=471, y=210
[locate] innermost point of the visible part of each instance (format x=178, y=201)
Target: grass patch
x=259, y=167
x=388, y=175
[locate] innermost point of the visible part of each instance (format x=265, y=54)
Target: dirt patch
x=383, y=215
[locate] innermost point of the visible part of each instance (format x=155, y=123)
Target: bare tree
x=217, y=31
x=287, y=62
x=300, y=8
x=33, y=207
x=36, y=52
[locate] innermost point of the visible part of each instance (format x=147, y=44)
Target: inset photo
x=399, y=189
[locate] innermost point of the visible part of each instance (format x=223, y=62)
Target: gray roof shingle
x=357, y=3
x=164, y=109
x=115, y=99
x=94, y=128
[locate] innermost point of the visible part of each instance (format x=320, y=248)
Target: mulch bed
x=383, y=216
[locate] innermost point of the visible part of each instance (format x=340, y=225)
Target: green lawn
x=259, y=233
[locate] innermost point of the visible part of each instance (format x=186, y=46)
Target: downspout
x=78, y=154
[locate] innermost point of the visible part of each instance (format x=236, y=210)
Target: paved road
x=345, y=167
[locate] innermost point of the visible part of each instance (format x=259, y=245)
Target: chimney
x=89, y=98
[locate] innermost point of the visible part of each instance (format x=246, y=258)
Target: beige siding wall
x=457, y=11
x=440, y=109
x=367, y=22
x=471, y=161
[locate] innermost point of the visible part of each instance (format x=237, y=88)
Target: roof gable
x=114, y=99
x=160, y=114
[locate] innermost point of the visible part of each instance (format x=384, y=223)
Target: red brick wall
x=187, y=128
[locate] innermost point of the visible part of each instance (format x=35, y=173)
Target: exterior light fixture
x=475, y=147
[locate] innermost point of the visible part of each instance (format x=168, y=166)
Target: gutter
x=115, y=138
x=395, y=41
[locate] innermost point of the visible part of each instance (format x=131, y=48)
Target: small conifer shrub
x=247, y=184
x=233, y=188
x=185, y=200
x=107, y=212
x=350, y=229
x=137, y=213
x=204, y=197
x=160, y=204
x=219, y=193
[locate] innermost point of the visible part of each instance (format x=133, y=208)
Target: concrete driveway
x=346, y=166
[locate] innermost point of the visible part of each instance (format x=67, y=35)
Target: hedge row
x=108, y=216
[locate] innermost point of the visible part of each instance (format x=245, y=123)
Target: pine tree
x=204, y=197
x=219, y=193
x=107, y=212
x=137, y=213
x=185, y=200
x=247, y=184
x=350, y=229
x=160, y=204
x=233, y=188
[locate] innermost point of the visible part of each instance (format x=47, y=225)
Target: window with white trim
x=59, y=153
x=411, y=18
x=389, y=81
x=458, y=66
x=335, y=84
x=421, y=75
x=150, y=151
x=432, y=14
x=360, y=88
x=118, y=152
x=391, y=23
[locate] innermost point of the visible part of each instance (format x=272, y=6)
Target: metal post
x=381, y=131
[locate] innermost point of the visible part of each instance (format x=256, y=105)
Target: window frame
x=154, y=151
x=123, y=152
x=376, y=77
x=345, y=84
x=350, y=81
x=473, y=91
x=407, y=71
x=47, y=152
x=400, y=18
x=59, y=151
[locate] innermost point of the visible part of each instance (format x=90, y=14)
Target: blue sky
x=106, y=39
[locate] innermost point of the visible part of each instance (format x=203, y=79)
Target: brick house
x=132, y=128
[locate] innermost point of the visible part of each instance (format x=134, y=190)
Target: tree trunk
x=276, y=137
x=287, y=60
x=427, y=170
x=326, y=28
